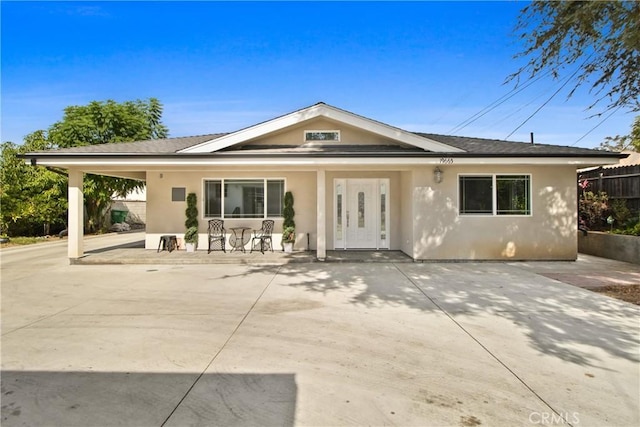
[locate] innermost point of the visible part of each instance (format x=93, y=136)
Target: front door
x=360, y=215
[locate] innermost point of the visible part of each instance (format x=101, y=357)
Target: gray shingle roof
x=152, y=146
x=471, y=146
x=501, y=147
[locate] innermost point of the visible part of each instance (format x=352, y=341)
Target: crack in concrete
x=45, y=318
x=547, y=404
x=215, y=356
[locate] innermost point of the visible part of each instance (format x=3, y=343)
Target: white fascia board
x=320, y=110
x=136, y=164
x=387, y=131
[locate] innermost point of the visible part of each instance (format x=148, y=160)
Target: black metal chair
x=217, y=233
x=263, y=235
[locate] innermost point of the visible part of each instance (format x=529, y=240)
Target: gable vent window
x=321, y=135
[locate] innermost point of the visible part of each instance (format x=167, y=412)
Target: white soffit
x=321, y=110
x=130, y=164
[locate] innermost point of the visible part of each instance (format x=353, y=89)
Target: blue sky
x=222, y=66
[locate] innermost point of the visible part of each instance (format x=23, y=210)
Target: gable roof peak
x=322, y=109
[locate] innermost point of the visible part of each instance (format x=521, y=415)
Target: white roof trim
x=321, y=110
x=141, y=164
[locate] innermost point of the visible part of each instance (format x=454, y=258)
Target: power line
x=596, y=126
x=517, y=110
x=570, y=78
x=492, y=106
x=545, y=102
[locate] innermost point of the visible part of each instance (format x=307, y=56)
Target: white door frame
x=381, y=216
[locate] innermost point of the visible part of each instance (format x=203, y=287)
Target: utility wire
x=570, y=78
x=495, y=104
x=545, y=102
x=508, y=116
x=596, y=126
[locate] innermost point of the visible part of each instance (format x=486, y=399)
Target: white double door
x=361, y=213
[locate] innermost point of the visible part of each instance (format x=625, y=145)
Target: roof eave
x=208, y=159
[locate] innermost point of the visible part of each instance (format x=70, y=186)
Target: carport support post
x=75, y=226
x=321, y=225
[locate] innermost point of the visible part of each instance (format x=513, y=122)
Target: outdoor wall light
x=437, y=175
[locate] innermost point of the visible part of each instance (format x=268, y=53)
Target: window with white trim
x=243, y=198
x=494, y=194
x=513, y=195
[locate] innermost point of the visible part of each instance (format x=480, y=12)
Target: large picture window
x=495, y=195
x=243, y=198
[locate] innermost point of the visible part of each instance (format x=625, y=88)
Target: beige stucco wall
x=549, y=233
x=167, y=217
x=424, y=220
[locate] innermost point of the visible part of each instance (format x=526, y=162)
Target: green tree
x=32, y=200
x=625, y=142
x=601, y=38
x=102, y=123
x=107, y=122
x=38, y=196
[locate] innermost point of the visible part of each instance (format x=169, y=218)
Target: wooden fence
x=622, y=182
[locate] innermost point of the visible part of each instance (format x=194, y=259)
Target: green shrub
x=632, y=228
x=191, y=235
x=192, y=211
x=592, y=208
x=620, y=211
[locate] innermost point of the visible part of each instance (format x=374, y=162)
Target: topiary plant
x=288, y=225
x=288, y=235
x=288, y=213
x=191, y=236
x=192, y=211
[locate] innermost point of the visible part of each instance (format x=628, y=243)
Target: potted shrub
x=191, y=239
x=191, y=235
x=288, y=225
x=288, y=238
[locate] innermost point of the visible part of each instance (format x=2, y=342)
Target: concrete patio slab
x=311, y=344
x=585, y=349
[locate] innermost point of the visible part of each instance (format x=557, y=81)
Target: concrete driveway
x=465, y=344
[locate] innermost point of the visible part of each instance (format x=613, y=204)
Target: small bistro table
x=238, y=240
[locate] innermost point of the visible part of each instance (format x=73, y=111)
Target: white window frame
x=494, y=195
x=222, y=183
x=307, y=132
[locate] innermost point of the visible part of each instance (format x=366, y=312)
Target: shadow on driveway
x=146, y=399
x=558, y=319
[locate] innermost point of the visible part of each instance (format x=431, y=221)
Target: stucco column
x=75, y=224
x=321, y=226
